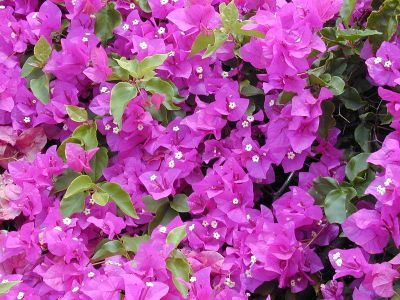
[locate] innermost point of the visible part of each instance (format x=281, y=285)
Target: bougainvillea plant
x=199, y=149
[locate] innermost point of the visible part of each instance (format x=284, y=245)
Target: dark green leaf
x=326, y=120
x=63, y=181
x=42, y=50
x=106, y=20
x=77, y=114
x=164, y=215
x=362, y=136
x=246, y=89
x=179, y=203
x=40, y=88
x=285, y=97
x=121, y=94
x=356, y=165
x=151, y=204
x=79, y=184
x=347, y=10
x=98, y=163
x=61, y=148
x=336, y=85
x=176, y=235
x=321, y=187
x=73, y=204
x=355, y=34
x=144, y=5
x=337, y=204
x=132, y=244
x=108, y=249
x=351, y=99
x=120, y=197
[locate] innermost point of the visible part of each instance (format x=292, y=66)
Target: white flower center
x=171, y=163
x=178, y=155
x=205, y=223
x=116, y=130
x=132, y=6
x=228, y=282
x=75, y=289
x=135, y=22
x=140, y=127
x=107, y=127
x=216, y=235
x=387, y=64
x=291, y=155
x=86, y=211
x=248, y=273
x=163, y=229
x=214, y=224
x=377, y=60
x=339, y=262
x=235, y=201
x=191, y=227
x=175, y=128
x=250, y=119
x=253, y=259
x=245, y=124
x=90, y=275
x=161, y=30
x=381, y=190
x=232, y=105
x=164, y=2
x=271, y=102
x=85, y=39
x=193, y=279
x=336, y=255
x=20, y=295
x=149, y=284
x=143, y=45
x=255, y=158
x=388, y=181
x=225, y=74
x=125, y=27
x=27, y=120
x=248, y=147
x=153, y=177
x=67, y=221
x=199, y=70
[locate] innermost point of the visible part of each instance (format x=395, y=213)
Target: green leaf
x=179, y=268
x=285, y=97
x=237, y=29
x=108, y=249
x=129, y=65
x=5, y=287
x=40, y=88
x=356, y=165
x=31, y=65
x=219, y=38
x=106, y=20
x=150, y=63
x=121, y=94
x=163, y=87
x=246, y=89
x=326, y=120
x=321, y=187
x=201, y=42
x=347, y=10
x=351, y=99
x=144, y=5
x=77, y=114
x=385, y=21
x=73, y=204
x=151, y=204
x=118, y=73
x=42, y=50
x=63, y=181
x=80, y=184
x=336, y=85
x=164, y=215
x=120, y=197
x=98, y=163
x=179, y=203
x=176, y=235
x=355, y=34
x=229, y=14
x=362, y=135
x=87, y=134
x=132, y=244
x=100, y=198
x=337, y=204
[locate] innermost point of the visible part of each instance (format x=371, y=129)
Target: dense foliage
x=198, y=149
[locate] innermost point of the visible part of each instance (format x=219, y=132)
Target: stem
x=284, y=186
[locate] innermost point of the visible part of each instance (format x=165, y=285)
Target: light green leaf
x=79, y=184
x=118, y=73
x=337, y=204
x=347, y=10
x=73, y=204
x=77, y=114
x=42, y=50
x=87, y=134
x=163, y=87
x=176, y=235
x=100, y=198
x=5, y=287
x=179, y=268
x=132, y=244
x=108, y=249
x=31, y=65
x=237, y=29
x=106, y=20
x=98, y=163
x=201, y=42
x=63, y=181
x=129, y=65
x=120, y=197
x=229, y=14
x=40, y=88
x=356, y=165
x=150, y=63
x=219, y=38
x=179, y=203
x=121, y=94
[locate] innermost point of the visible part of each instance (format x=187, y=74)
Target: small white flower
x=193, y=279
x=248, y=217
x=161, y=30
x=116, y=130
x=135, y=22
x=377, y=60
x=35, y=15
x=73, y=2
x=214, y=224
x=90, y=275
x=125, y=27
x=182, y=33
x=388, y=181
x=20, y=295
x=107, y=127
x=27, y=120
x=58, y=228
x=339, y=262
x=163, y=229
x=178, y=155
x=387, y=64
x=164, y=2
x=171, y=163
x=255, y=158
x=291, y=155
x=336, y=255
x=235, y=201
x=67, y=221
x=140, y=127
x=381, y=190
x=132, y=6
x=75, y=289
x=248, y=273
x=191, y=227
x=216, y=235
x=232, y=105
x=271, y=102
x=199, y=70
x=143, y=45
x=34, y=101
x=225, y=74
x=245, y=124
x=228, y=282
x=85, y=39
x=175, y=128
x=253, y=259
x=149, y=284
x=248, y=147
x=250, y=119
x=104, y=89
x=86, y=211
x=171, y=53
x=153, y=177
x=205, y=223
x=91, y=201
x=4, y=281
